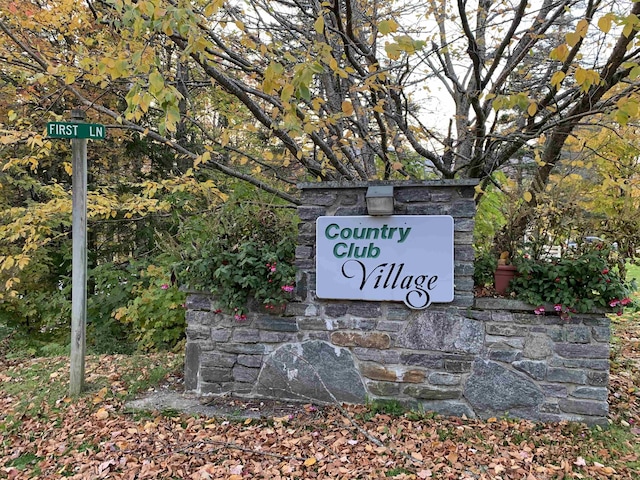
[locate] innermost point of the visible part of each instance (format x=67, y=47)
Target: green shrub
x=156, y=312
x=484, y=268
x=242, y=253
x=578, y=282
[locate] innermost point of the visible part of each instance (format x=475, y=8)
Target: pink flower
x=619, y=312
x=614, y=303
x=287, y=288
x=539, y=310
x=605, y=271
x=557, y=307
x=240, y=317
x=164, y=286
x=217, y=311
x=625, y=301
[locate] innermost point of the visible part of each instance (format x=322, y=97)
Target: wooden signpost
x=78, y=132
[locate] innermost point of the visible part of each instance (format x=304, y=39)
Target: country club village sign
x=406, y=258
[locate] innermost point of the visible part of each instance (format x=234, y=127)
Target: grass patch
x=633, y=272
x=24, y=460
x=394, y=472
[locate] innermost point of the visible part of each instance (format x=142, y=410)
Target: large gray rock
x=442, y=331
x=493, y=388
x=311, y=371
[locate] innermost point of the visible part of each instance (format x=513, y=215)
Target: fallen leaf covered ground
x=44, y=434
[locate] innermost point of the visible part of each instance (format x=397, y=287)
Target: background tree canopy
x=203, y=96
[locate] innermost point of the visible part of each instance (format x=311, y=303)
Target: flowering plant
x=243, y=254
x=576, y=283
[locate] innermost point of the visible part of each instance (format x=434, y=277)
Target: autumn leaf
x=347, y=108
x=580, y=462
x=102, y=414
x=310, y=461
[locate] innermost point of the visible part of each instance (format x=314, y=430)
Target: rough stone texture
x=599, y=379
x=379, y=341
x=449, y=408
x=583, y=407
x=376, y=372
x=439, y=378
x=566, y=375
x=218, y=359
x=245, y=374
x=578, y=334
x=430, y=393
x=572, y=350
x=473, y=357
x=504, y=354
x=493, y=388
x=191, y=366
x=311, y=371
x=536, y=370
x=537, y=346
x=384, y=389
x=278, y=324
x=442, y=331
x=593, y=393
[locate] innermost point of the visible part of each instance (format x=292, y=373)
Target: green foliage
x=242, y=253
x=578, y=282
x=389, y=407
x=491, y=216
x=112, y=289
x=156, y=312
x=484, y=267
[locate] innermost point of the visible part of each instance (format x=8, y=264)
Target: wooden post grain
x=79, y=268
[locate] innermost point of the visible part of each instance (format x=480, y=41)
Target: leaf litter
x=48, y=435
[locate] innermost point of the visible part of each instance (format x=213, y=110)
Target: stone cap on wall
x=467, y=182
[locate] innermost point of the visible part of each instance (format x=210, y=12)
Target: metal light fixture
x=380, y=200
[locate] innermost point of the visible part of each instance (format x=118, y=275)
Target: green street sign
x=94, y=131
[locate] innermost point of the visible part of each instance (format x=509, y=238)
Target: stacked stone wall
x=474, y=357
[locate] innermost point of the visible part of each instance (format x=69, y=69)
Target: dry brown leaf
x=102, y=414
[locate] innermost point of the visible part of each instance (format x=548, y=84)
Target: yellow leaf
x=347, y=108
x=240, y=25
x=560, y=53
x=580, y=75
x=318, y=25
x=557, y=78
x=102, y=414
x=287, y=92
x=527, y=197
x=582, y=28
x=604, y=24
x=572, y=38
x=69, y=79
x=310, y=461
x=532, y=109
x=387, y=26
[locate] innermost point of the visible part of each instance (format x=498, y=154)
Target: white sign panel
x=406, y=258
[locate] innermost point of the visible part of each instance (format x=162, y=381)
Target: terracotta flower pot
x=502, y=276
